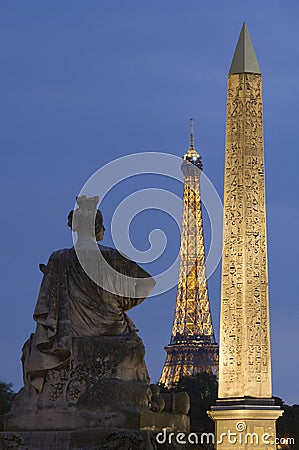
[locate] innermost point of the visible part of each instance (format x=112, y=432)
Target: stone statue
x=71, y=305
x=84, y=369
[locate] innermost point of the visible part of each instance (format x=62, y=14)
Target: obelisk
x=245, y=414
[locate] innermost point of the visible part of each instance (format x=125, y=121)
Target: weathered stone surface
x=76, y=440
x=105, y=382
x=105, y=385
x=86, y=290
x=86, y=385
x=176, y=402
x=84, y=440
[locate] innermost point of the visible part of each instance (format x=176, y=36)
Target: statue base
x=82, y=440
x=102, y=391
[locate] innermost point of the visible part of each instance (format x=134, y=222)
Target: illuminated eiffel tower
x=192, y=347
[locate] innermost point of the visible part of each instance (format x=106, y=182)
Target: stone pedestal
x=79, y=440
x=245, y=424
x=101, y=392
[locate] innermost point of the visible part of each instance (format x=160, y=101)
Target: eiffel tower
x=192, y=347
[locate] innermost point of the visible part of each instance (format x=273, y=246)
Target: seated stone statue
x=71, y=305
x=84, y=365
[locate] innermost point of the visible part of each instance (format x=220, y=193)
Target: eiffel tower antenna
x=191, y=134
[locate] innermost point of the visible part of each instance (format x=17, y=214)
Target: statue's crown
x=87, y=203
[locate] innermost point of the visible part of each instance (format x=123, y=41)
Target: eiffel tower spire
x=192, y=347
x=191, y=134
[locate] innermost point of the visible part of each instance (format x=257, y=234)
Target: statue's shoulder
x=58, y=257
x=115, y=254
x=105, y=249
x=122, y=263
x=57, y=254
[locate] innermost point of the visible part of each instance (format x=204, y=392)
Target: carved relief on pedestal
x=69, y=382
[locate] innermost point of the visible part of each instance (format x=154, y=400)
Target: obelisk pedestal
x=245, y=413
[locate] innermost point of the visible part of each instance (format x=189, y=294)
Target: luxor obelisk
x=245, y=414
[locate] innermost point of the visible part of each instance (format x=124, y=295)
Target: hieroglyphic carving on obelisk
x=245, y=366
x=245, y=391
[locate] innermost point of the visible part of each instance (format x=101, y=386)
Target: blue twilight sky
x=85, y=82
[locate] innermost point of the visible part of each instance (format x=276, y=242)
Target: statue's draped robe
x=70, y=304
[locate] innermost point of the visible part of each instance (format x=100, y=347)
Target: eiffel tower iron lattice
x=192, y=347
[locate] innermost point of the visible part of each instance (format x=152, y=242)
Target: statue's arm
x=142, y=283
x=43, y=268
x=144, y=287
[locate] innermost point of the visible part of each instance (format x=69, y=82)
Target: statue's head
x=87, y=219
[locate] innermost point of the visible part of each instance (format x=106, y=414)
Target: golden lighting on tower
x=192, y=347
